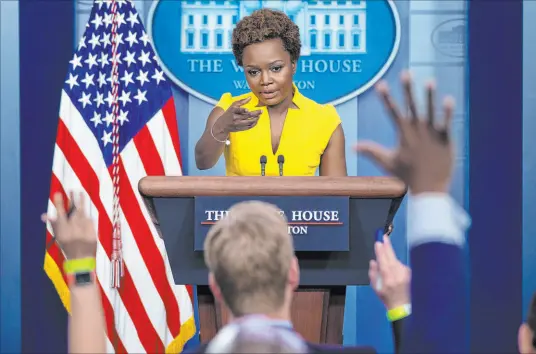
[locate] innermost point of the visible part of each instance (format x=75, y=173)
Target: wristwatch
x=81, y=278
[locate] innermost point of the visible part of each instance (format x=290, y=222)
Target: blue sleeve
x=440, y=293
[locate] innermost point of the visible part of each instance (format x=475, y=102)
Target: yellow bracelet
x=80, y=265
x=399, y=313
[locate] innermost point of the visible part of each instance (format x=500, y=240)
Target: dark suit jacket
x=325, y=348
x=439, y=291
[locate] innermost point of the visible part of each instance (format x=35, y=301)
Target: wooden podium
x=318, y=306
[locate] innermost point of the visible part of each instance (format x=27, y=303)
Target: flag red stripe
x=148, y=153
x=57, y=256
x=171, y=121
x=154, y=167
x=90, y=182
x=151, y=342
x=190, y=291
x=148, y=249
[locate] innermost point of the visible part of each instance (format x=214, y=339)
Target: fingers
x=408, y=94
x=373, y=271
x=77, y=207
x=443, y=130
x=448, y=106
x=246, y=126
x=383, y=90
x=390, y=255
x=81, y=204
x=378, y=153
x=244, y=113
x=255, y=114
x=236, y=106
x=241, y=102
x=385, y=256
x=72, y=204
x=239, y=111
x=57, y=200
x=243, y=118
x=46, y=218
x=430, y=93
x=246, y=121
x=381, y=257
x=246, y=116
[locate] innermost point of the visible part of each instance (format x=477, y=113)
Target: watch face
x=83, y=278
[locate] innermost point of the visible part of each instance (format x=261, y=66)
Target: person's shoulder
x=312, y=104
x=325, y=111
x=326, y=348
x=227, y=99
x=200, y=349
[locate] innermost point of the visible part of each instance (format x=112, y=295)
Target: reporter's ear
x=294, y=274
x=524, y=340
x=213, y=286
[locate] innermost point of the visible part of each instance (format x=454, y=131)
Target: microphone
x=281, y=161
x=263, y=165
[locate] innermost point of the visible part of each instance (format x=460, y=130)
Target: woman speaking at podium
x=274, y=129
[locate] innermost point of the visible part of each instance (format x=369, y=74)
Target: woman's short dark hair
x=262, y=25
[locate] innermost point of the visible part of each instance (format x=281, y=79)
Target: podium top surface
x=192, y=186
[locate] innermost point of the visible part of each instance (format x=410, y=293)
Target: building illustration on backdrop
x=326, y=27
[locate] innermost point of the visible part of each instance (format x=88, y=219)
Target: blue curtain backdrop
x=10, y=302
x=494, y=127
x=529, y=153
x=495, y=174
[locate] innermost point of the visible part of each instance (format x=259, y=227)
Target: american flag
x=116, y=125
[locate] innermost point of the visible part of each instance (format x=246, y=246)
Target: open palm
x=424, y=156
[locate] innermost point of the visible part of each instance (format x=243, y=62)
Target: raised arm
x=424, y=160
x=77, y=238
x=390, y=280
x=439, y=288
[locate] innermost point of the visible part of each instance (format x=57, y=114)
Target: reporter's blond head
x=251, y=261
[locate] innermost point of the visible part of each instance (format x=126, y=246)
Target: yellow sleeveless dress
x=306, y=133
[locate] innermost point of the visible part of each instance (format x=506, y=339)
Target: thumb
x=373, y=271
x=374, y=277
x=241, y=102
x=378, y=153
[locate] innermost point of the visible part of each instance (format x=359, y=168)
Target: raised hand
x=237, y=118
x=424, y=156
x=389, y=278
x=75, y=233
